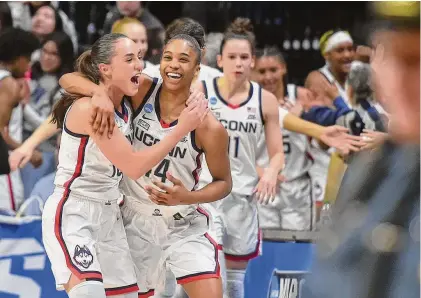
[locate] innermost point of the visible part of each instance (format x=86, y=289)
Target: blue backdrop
x=281, y=265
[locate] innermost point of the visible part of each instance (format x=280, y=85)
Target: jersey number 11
x=235, y=143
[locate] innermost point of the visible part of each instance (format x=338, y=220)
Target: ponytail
x=87, y=64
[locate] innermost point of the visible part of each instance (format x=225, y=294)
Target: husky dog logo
x=83, y=256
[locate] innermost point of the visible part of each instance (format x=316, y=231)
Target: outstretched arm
x=266, y=188
x=20, y=157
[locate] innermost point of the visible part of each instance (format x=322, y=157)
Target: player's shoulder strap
x=156, y=83
x=327, y=74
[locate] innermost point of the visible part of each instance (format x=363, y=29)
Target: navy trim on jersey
x=326, y=76
x=73, y=134
x=232, y=106
x=146, y=97
x=193, y=141
x=124, y=115
x=205, y=89
x=158, y=111
x=261, y=105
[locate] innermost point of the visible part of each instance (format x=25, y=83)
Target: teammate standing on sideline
x=82, y=229
x=246, y=111
x=293, y=206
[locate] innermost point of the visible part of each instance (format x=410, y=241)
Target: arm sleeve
x=326, y=116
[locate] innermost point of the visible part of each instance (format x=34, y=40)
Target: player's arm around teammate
x=212, y=138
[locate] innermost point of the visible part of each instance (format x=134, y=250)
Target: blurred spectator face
x=128, y=8
x=269, y=72
x=50, y=58
x=341, y=57
x=137, y=33
x=396, y=75
x=44, y=21
x=236, y=60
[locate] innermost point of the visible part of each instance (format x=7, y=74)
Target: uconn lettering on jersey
x=240, y=126
x=149, y=140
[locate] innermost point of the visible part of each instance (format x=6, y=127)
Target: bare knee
x=205, y=288
x=236, y=265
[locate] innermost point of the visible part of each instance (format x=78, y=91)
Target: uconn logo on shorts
x=83, y=256
x=148, y=108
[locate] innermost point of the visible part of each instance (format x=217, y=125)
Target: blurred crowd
x=338, y=93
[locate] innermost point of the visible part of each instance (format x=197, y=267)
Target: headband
x=337, y=38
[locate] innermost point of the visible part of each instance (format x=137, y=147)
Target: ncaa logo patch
x=83, y=256
x=213, y=101
x=148, y=108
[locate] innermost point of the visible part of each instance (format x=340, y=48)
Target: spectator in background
x=136, y=31
x=16, y=47
x=45, y=21
x=6, y=20
x=134, y=9
x=22, y=13
x=56, y=59
x=43, y=188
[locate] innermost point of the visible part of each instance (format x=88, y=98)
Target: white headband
x=336, y=39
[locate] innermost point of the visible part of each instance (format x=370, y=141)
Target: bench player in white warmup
x=82, y=226
x=161, y=237
x=246, y=111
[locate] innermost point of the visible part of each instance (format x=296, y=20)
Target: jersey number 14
x=160, y=171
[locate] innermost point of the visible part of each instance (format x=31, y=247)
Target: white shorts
x=292, y=209
x=242, y=238
x=216, y=224
x=160, y=244
x=86, y=237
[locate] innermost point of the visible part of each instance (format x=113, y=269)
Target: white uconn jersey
x=84, y=169
x=244, y=124
x=296, y=146
x=183, y=162
x=331, y=79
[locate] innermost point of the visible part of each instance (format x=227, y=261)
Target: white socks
x=88, y=289
x=235, y=283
